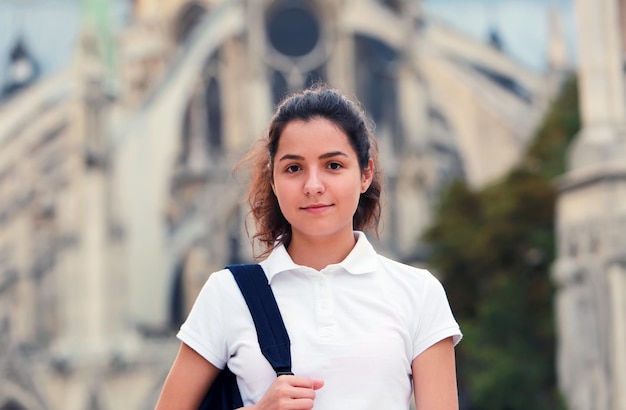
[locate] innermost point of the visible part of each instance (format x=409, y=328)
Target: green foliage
x=547, y=153
x=494, y=249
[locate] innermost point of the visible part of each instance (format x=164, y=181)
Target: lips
x=316, y=207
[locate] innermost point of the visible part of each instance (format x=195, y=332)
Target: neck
x=319, y=252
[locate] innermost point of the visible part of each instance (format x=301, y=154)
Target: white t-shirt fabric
x=357, y=325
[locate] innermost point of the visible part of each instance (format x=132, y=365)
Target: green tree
x=494, y=249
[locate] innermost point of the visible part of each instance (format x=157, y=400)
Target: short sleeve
x=436, y=321
x=203, y=330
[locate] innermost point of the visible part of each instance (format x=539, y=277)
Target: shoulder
x=405, y=272
x=219, y=285
x=219, y=295
x=219, y=278
x=415, y=285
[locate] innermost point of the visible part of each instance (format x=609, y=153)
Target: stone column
x=559, y=66
x=601, y=81
x=197, y=160
x=622, y=23
x=590, y=192
x=93, y=301
x=341, y=64
x=411, y=207
x=617, y=288
x=259, y=91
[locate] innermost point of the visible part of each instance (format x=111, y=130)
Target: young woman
x=365, y=331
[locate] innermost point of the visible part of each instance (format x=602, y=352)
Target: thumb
x=318, y=384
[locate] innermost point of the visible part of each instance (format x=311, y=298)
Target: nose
x=313, y=184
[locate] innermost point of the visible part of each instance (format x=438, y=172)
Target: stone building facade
x=116, y=193
x=590, y=271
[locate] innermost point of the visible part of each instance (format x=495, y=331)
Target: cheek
x=282, y=192
x=351, y=195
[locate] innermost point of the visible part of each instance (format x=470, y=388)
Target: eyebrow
x=323, y=156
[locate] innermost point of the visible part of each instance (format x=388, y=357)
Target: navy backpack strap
x=270, y=329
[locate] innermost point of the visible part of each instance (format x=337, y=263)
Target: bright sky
x=522, y=24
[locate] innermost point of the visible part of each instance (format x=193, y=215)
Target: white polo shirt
x=357, y=325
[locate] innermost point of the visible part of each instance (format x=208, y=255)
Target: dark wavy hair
x=319, y=101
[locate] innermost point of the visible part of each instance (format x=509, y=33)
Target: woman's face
x=317, y=179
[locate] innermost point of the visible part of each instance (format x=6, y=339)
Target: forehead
x=315, y=133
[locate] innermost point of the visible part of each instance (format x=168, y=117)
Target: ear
x=367, y=176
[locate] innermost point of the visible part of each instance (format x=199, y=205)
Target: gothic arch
x=235, y=228
x=372, y=20
x=11, y=404
x=177, y=296
x=395, y=5
x=14, y=397
x=377, y=82
x=154, y=163
x=190, y=273
x=189, y=17
x=213, y=109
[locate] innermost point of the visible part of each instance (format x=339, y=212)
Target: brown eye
x=334, y=166
x=292, y=168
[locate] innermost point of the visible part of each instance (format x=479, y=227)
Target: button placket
x=323, y=305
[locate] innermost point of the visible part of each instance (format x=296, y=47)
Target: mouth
x=316, y=207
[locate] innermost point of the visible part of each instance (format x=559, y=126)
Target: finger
x=317, y=384
x=301, y=381
x=296, y=387
x=301, y=404
x=298, y=393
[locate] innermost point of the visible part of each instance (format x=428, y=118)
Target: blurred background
x=501, y=125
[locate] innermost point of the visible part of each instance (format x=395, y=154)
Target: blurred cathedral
x=116, y=193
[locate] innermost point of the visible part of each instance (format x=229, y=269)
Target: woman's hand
x=289, y=393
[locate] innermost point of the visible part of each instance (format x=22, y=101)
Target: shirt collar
x=361, y=259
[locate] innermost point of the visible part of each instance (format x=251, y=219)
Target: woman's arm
x=434, y=378
x=188, y=381
x=191, y=376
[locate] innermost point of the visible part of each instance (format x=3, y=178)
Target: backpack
x=271, y=332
